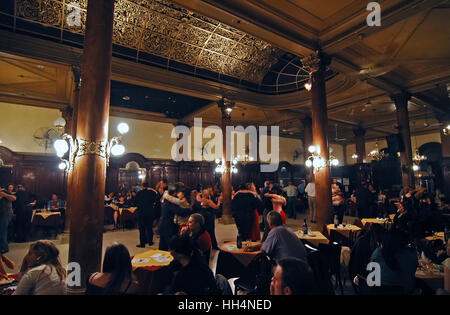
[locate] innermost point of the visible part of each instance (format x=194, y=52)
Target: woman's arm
x=212, y=204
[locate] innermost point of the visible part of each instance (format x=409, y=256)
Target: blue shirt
x=301, y=189
x=281, y=243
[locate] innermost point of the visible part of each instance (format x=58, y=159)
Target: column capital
x=316, y=61
x=359, y=131
x=401, y=99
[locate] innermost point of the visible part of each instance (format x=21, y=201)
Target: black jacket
x=145, y=201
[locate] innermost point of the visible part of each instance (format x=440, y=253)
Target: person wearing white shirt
x=310, y=190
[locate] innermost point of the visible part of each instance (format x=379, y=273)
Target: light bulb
x=235, y=170
x=308, y=163
x=62, y=166
x=217, y=161
x=312, y=149
x=123, y=128
x=117, y=149
x=141, y=176
x=229, y=110
x=415, y=168
x=335, y=162
x=61, y=146
x=308, y=86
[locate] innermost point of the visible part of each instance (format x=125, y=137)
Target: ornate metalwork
x=160, y=28
x=85, y=147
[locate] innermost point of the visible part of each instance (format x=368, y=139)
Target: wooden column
x=401, y=104
x=226, y=183
x=360, y=144
x=317, y=64
x=344, y=151
x=89, y=172
x=307, y=135
x=71, y=128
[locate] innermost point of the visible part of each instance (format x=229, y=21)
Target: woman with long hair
x=41, y=272
x=116, y=277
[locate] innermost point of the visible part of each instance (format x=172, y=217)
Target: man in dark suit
x=166, y=226
x=24, y=211
x=145, y=201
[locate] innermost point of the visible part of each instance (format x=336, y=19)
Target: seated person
x=116, y=278
x=41, y=272
x=398, y=262
x=110, y=198
x=292, y=276
x=194, y=276
x=55, y=203
x=281, y=242
x=195, y=229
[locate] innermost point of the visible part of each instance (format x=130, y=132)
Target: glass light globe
x=59, y=122
x=308, y=86
x=312, y=149
x=123, y=128
x=117, y=149
x=416, y=168
x=235, y=170
x=308, y=163
x=61, y=146
x=316, y=163
x=62, y=166
x=141, y=176
x=217, y=161
x=335, y=162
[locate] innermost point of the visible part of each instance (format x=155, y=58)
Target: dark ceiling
x=172, y=105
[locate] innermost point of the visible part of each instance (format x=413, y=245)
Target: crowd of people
x=185, y=222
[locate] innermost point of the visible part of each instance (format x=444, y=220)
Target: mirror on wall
x=132, y=176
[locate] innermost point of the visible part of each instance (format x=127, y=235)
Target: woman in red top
x=278, y=201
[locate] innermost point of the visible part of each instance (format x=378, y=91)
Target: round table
x=149, y=267
x=344, y=230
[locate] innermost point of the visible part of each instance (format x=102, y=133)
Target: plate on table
x=140, y=260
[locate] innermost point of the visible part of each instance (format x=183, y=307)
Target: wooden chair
x=126, y=216
x=332, y=252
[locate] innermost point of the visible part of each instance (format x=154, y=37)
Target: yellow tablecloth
x=343, y=230
x=436, y=236
x=239, y=253
x=117, y=208
x=317, y=239
x=374, y=221
x=44, y=215
x=151, y=259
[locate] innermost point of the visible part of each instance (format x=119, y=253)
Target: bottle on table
x=305, y=227
x=336, y=221
x=239, y=241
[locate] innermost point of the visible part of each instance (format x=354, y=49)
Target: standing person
x=310, y=191
x=268, y=206
x=145, y=201
x=207, y=210
x=166, y=226
x=24, y=210
x=6, y=213
x=291, y=192
x=278, y=201
x=243, y=205
x=363, y=197
x=41, y=272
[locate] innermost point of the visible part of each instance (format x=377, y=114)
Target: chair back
x=319, y=265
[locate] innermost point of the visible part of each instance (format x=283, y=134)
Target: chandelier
x=318, y=162
x=221, y=167
x=376, y=154
x=446, y=130
x=67, y=148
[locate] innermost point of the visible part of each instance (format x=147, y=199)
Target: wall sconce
x=446, y=130
x=318, y=162
x=355, y=156
x=68, y=149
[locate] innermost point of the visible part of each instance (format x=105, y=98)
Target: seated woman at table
x=398, y=262
x=200, y=238
x=194, y=277
x=116, y=277
x=41, y=272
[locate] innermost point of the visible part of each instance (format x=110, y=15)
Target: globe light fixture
x=123, y=128
x=117, y=149
x=61, y=146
